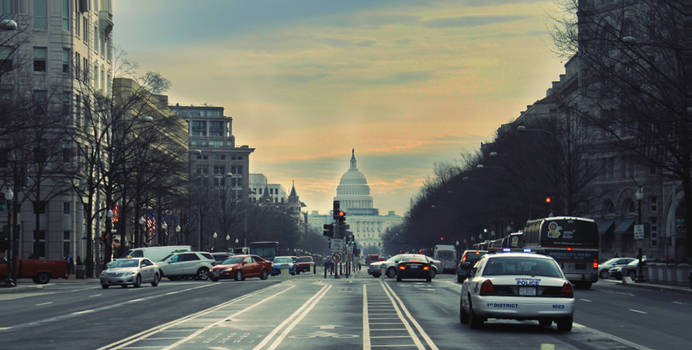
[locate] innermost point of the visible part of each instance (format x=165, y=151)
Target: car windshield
x=125, y=263
x=521, y=266
x=233, y=260
x=282, y=260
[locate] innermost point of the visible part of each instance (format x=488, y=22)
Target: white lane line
x=394, y=346
x=678, y=302
x=366, y=325
x=406, y=324
x=639, y=311
x=388, y=329
x=83, y=312
x=425, y=336
x=95, y=295
x=586, y=300
x=613, y=337
x=223, y=320
x=295, y=318
x=389, y=336
x=46, y=303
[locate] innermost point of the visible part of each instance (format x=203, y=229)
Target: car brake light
x=595, y=263
x=567, y=291
x=487, y=288
x=569, y=249
x=402, y=267
x=426, y=267
x=463, y=258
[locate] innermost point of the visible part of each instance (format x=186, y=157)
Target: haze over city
x=406, y=83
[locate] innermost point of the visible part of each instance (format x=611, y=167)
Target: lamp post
x=107, y=241
x=228, y=238
x=9, y=197
x=142, y=221
x=457, y=246
x=213, y=243
x=177, y=234
x=639, y=195
x=164, y=227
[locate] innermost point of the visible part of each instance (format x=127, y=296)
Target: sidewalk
x=629, y=283
x=26, y=284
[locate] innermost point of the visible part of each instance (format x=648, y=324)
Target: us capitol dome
x=353, y=191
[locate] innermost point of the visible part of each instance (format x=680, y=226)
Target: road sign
x=337, y=245
x=639, y=231
x=336, y=257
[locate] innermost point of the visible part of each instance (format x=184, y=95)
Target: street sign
x=337, y=245
x=336, y=257
x=639, y=231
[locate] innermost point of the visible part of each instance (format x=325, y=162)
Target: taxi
x=521, y=286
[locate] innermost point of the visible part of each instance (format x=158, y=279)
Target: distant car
x=219, y=257
x=604, y=268
x=519, y=286
x=374, y=268
x=133, y=271
x=187, y=264
x=240, y=267
x=468, y=259
x=304, y=264
x=281, y=262
x=414, y=266
x=630, y=269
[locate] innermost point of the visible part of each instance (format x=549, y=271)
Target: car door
x=190, y=263
x=171, y=266
x=147, y=269
x=250, y=268
x=258, y=264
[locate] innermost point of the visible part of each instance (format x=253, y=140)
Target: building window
x=199, y=128
x=96, y=38
x=652, y=202
x=40, y=207
x=66, y=207
x=77, y=65
x=77, y=110
x=40, y=243
x=96, y=76
x=40, y=54
x=215, y=128
x=66, y=99
x=66, y=155
x=66, y=243
x=66, y=56
x=85, y=25
x=6, y=8
x=40, y=14
x=85, y=70
x=66, y=15
x=40, y=100
x=219, y=170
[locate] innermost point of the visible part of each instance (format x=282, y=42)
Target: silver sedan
x=134, y=271
x=518, y=286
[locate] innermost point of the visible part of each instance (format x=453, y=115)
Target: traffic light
x=329, y=230
x=442, y=238
x=336, y=209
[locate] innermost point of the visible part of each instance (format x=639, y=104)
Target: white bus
x=571, y=241
x=447, y=256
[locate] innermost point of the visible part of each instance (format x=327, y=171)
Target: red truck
x=40, y=270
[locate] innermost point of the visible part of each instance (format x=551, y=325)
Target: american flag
x=151, y=224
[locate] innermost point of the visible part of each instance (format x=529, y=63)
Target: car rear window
x=304, y=259
x=208, y=256
x=473, y=257
x=420, y=258
x=521, y=266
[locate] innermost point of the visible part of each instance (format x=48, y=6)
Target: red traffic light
x=547, y=199
x=442, y=238
x=342, y=213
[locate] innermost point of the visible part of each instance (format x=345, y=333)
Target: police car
x=521, y=286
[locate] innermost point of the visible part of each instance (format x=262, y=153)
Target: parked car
x=39, y=270
x=468, y=259
x=130, y=271
x=304, y=264
x=280, y=262
x=603, y=268
x=240, y=267
x=414, y=266
x=187, y=264
x=630, y=269
x=519, y=286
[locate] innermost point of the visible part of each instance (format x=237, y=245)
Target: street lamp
x=228, y=238
x=215, y=236
x=639, y=195
x=177, y=234
x=142, y=221
x=8, y=24
x=164, y=227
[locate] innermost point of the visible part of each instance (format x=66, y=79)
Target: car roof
x=516, y=255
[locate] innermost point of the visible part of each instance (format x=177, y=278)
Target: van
x=446, y=254
x=157, y=253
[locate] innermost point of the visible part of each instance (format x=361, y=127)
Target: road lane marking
x=165, y=327
x=586, y=300
x=389, y=336
x=639, y=311
x=394, y=346
x=679, y=303
x=46, y=303
x=425, y=336
x=83, y=312
x=95, y=295
x=405, y=322
x=289, y=323
x=366, y=325
x=613, y=337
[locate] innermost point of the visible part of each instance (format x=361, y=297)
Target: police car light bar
x=506, y=250
x=527, y=250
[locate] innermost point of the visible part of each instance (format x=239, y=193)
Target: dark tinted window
x=189, y=257
x=208, y=256
x=257, y=259
x=472, y=257
x=233, y=260
x=521, y=266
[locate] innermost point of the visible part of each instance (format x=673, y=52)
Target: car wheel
x=432, y=273
x=428, y=279
x=124, y=285
x=604, y=274
x=564, y=324
x=239, y=275
x=264, y=275
x=391, y=272
x=474, y=321
x=202, y=273
x=398, y=278
x=376, y=274
x=156, y=280
x=545, y=322
x=104, y=286
x=214, y=279
x=463, y=316
x=138, y=281
x=42, y=278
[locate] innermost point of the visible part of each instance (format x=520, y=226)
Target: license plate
x=527, y=291
x=414, y=266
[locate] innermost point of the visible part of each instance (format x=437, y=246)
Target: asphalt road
x=309, y=312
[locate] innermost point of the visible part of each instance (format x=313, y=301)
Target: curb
x=27, y=285
x=657, y=287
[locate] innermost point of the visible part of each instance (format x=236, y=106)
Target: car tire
x=264, y=275
x=398, y=278
x=463, y=316
x=42, y=278
x=156, y=280
x=391, y=272
x=474, y=321
x=604, y=274
x=124, y=285
x=376, y=274
x=428, y=279
x=104, y=286
x=564, y=324
x=202, y=274
x=138, y=281
x=214, y=279
x=433, y=273
x=545, y=322
x=239, y=275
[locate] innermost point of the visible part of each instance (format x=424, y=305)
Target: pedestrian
x=70, y=264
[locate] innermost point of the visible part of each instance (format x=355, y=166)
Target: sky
x=407, y=84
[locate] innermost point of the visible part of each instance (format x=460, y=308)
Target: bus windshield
x=267, y=250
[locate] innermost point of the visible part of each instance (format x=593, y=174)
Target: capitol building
x=367, y=225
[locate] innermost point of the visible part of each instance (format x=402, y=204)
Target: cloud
x=470, y=21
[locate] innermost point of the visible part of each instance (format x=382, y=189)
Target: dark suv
x=468, y=259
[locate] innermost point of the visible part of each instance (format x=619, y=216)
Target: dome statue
x=353, y=191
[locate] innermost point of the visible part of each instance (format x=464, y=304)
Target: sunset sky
x=406, y=83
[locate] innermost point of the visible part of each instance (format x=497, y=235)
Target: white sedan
x=134, y=271
x=520, y=286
